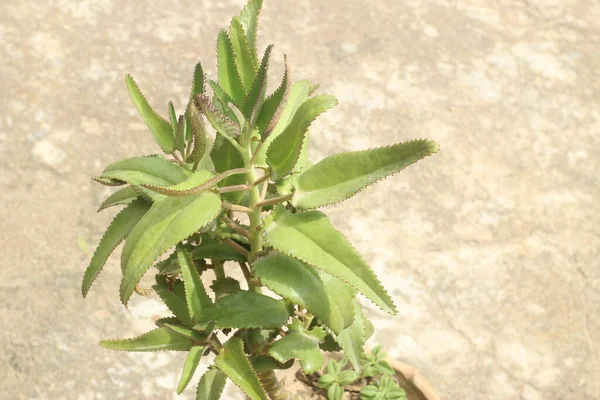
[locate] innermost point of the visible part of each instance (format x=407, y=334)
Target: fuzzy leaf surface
x=198, y=132
x=284, y=151
x=211, y=385
x=311, y=238
x=117, y=231
x=185, y=332
x=243, y=56
x=191, y=363
x=180, y=134
x=195, y=294
x=342, y=175
x=198, y=82
x=195, y=183
x=273, y=105
x=286, y=102
x=167, y=223
x=220, y=122
x=303, y=285
x=249, y=20
x=153, y=170
x=352, y=339
x=157, y=340
x=258, y=89
x=229, y=78
x=233, y=362
x=159, y=127
x=246, y=310
x=302, y=344
x=122, y=196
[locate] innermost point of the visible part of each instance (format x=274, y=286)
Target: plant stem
x=235, y=207
x=218, y=268
x=237, y=247
x=235, y=226
x=275, y=200
x=273, y=387
x=234, y=188
x=255, y=238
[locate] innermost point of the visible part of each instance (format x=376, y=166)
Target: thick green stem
x=218, y=268
x=255, y=235
x=273, y=387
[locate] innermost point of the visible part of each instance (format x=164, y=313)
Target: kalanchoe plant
x=236, y=190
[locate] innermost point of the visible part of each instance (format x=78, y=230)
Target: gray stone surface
x=490, y=248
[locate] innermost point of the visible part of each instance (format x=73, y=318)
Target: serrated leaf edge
x=437, y=149
x=133, y=339
x=286, y=84
x=126, y=301
x=251, y=368
x=370, y=270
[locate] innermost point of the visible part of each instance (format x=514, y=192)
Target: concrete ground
x=490, y=248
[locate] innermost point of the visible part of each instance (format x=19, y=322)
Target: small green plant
x=336, y=379
x=235, y=189
x=384, y=389
x=376, y=379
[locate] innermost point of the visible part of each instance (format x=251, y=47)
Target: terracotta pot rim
x=412, y=375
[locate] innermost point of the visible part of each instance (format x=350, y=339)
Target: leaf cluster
x=376, y=381
x=234, y=189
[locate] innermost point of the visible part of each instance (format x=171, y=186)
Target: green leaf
x=346, y=377
x=220, y=122
x=174, y=299
x=303, y=285
x=198, y=182
x=195, y=294
x=226, y=157
x=159, y=127
x=302, y=344
x=191, y=363
x=108, y=181
x=284, y=151
x=352, y=339
x=220, y=95
x=311, y=238
x=229, y=78
x=325, y=381
x=257, y=91
x=198, y=82
x=194, y=116
x=243, y=56
x=151, y=170
x=173, y=118
x=291, y=101
x=157, y=340
x=211, y=385
x=249, y=21
x=122, y=196
x=212, y=249
x=118, y=230
x=233, y=362
x=274, y=104
x=246, y=310
x=342, y=175
x=185, y=332
x=335, y=392
x=167, y=223
x=225, y=286
x=180, y=135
